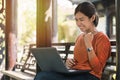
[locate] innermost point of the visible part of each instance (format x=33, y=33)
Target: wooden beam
x=44, y=23
x=117, y=4
x=10, y=33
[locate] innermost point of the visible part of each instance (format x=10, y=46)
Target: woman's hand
x=70, y=63
x=88, y=39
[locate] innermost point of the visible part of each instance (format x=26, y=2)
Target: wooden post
x=10, y=34
x=44, y=24
x=117, y=3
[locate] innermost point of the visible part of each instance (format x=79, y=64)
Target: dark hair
x=88, y=9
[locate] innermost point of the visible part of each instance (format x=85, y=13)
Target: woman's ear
x=93, y=17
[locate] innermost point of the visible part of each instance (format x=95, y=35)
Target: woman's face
x=83, y=22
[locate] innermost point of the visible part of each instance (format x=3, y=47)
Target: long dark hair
x=88, y=9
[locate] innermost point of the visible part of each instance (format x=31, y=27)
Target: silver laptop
x=49, y=59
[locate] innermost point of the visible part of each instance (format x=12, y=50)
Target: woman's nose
x=79, y=23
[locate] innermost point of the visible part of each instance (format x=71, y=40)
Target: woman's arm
x=97, y=59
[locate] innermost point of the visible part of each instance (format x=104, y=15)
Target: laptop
x=48, y=59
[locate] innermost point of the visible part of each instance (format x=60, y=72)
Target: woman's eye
x=81, y=19
x=76, y=19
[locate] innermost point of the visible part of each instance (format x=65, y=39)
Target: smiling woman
x=92, y=48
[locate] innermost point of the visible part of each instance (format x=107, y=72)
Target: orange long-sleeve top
x=101, y=47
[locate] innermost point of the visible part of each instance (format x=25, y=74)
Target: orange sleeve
x=102, y=51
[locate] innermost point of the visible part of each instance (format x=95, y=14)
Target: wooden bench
x=63, y=48
x=110, y=67
x=23, y=70
x=30, y=62
x=17, y=75
x=25, y=56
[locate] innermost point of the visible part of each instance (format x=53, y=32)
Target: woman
x=92, y=48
